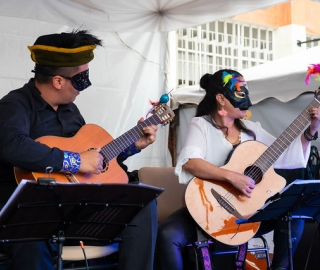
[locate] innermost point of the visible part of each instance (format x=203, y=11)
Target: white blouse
x=209, y=143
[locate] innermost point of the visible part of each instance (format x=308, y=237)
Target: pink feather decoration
x=312, y=69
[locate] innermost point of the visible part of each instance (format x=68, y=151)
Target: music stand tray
x=49, y=210
x=300, y=200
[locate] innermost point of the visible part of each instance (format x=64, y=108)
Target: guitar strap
x=203, y=247
x=241, y=256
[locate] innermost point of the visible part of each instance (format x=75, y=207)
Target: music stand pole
x=288, y=219
x=60, y=240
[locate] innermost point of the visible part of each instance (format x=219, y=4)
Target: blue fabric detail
x=130, y=151
x=71, y=162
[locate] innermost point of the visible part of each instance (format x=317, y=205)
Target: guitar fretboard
x=114, y=148
x=267, y=159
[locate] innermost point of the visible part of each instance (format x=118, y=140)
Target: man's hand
x=149, y=135
x=91, y=161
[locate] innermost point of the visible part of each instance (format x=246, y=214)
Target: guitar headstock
x=164, y=113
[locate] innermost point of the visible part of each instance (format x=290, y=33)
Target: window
x=221, y=44
x=314, y=43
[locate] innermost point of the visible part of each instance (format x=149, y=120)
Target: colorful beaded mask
x=237, y=95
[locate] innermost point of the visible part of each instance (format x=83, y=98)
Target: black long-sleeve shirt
x=26, y=116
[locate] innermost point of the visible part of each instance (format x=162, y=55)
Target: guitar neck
x=267, y=159
x=114, y=148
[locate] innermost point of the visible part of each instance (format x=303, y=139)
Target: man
x=44, y=106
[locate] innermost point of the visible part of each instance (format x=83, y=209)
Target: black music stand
x=300, y=200
x=47, y=210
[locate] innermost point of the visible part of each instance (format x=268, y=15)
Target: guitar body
x=215, y=219
x=89, y=136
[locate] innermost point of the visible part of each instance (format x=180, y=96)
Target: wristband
x=130, y=151
x=308, y=136
x=71, y=162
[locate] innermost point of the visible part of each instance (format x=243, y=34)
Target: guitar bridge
x=71, y=178
x=226, y=205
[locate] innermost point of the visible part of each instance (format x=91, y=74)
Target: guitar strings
x=256, y=171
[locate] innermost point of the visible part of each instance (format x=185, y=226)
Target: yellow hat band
x=61, y=57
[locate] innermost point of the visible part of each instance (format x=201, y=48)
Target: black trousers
x=179, y=230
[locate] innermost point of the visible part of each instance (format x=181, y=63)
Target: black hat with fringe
x=65, y=49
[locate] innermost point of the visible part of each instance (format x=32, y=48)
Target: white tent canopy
x=283, y=79
x=130, y=16
x=131, y=68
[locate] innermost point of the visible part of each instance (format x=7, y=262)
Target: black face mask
x=238, y=99
x=80, y=81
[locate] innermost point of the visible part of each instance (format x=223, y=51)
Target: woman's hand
x=315, y=120
x=242, y=182
x=207, y=171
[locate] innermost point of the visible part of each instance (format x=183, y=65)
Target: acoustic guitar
x=216, y=205
x=92, y=136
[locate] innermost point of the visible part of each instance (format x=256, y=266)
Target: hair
x=213, y=85
x=76, y=38
x=44, y=73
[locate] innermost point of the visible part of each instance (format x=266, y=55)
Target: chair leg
x=265, y=243
x=262, y=252
x=203, y=254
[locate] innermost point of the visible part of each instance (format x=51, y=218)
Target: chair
x=168, y=202
x=73, y=257
x=73, y=254
x=173, y=198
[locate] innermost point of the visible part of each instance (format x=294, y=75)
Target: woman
x=215, y=131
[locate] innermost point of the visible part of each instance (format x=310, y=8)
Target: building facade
x=246, y=40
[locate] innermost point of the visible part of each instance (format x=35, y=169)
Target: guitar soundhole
x=105, y=165
x=255, y=173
